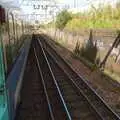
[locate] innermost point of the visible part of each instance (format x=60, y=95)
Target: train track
x=33, y=105
x=56, y=104
x=74, y=100
x=95, y=101
x=40, y=95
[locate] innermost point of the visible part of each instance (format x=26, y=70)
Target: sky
x=81, y=4
x=74, y=6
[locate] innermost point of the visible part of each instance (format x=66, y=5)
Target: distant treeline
x=105, y=16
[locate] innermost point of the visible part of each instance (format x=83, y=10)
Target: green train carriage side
x=11, y=39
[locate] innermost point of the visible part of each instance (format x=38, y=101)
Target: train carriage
x=12, y=35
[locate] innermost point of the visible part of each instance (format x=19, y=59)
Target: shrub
x=89, y=51
x=62, y=19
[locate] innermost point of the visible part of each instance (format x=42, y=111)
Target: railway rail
x=33, y=105
x=95, y=101
x=40, y=95
x=78, y=106
x=57, y=106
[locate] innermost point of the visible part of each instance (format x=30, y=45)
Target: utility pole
x=74, y=3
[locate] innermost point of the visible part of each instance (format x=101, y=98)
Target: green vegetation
x=88, y=51
x=62, y=19
x=87, y=54
x=112, y=74
x=104, y=16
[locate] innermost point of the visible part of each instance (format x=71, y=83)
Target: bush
x=98, y=61
x=62, y=19
x=89, y=51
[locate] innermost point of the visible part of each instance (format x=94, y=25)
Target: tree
x=118, y=4
x=62, y=19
